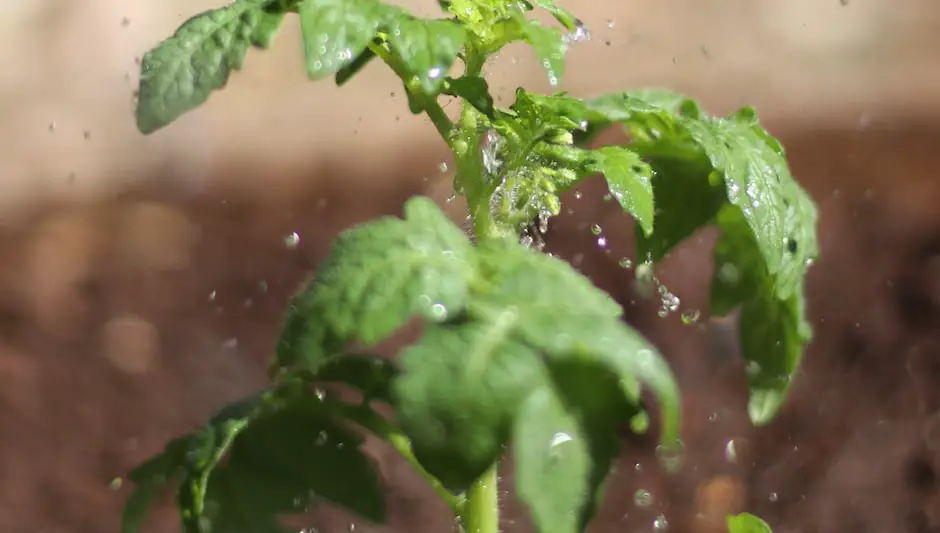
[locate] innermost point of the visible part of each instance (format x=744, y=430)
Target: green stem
x=430, y=104
x=481, y=514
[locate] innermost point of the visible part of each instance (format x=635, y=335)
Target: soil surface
x=126, y=322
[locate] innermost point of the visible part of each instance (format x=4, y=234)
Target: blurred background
x=143, y=278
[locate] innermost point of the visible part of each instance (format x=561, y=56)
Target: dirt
x=126, y=322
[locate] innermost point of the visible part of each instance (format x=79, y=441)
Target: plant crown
x=517, y=347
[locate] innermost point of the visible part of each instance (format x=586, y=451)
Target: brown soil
x=126, y=322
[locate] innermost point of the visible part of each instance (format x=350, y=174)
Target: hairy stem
x=481, y=514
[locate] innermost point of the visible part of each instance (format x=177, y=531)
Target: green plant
x=517, y=348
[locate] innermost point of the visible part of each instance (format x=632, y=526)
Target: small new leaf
x=377, y=277
x=427, y=48
x=337, y=31
x=181, y=72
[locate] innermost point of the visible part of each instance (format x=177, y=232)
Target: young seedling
x=518, y=350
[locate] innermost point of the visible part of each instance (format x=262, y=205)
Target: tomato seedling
x=518, y=350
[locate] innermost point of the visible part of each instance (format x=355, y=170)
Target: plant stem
x=430, y=105
x=481, y=513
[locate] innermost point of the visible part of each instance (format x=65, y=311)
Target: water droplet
x=731, y=454
x=625, y=262
x=52, y=126
x=602, y=242
x=669, y=302
x=322, y=438
x=230, y=345
x=671, y=456
x=690, y=316
x=116, y=484
x=291, y=240
x=611, y=23
x=773, y=497
x=577, y=195
x=660, y=524
x=439, y=312
x=580, y=34
x=752, y=368
x=435, y=73
x=212, y=296
x=642, y=498
x=560, y=438
x=443, y=167
x=596, y=229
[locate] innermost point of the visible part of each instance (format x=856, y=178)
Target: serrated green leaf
x=552, y=463
x=377, y=277
x=370, y=374
x=458, y=392
x=337, y=31
x=629, y=179
x=747, y=523
x=472, y=89
x=181, y=72
x=347, y=72
x=768, y=223
x=427, y=48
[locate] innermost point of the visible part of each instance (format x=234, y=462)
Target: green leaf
x=772, y=330
x=563, y=315
x=427, y=48
x=731, y=171
x=379, y=275
x=552, y=463
x=685, y=203
x=460, y=388
x=152, y=478
x=629, y=179
x=474, y=90
x=569, y=21
x=181, y=72
x=337, y=31
x=549, y=46
x=747, y=523
x=267, y=456
x=347, y=72
x=370, y=374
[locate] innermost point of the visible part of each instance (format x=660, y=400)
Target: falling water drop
x=642, y=498
x=660, y=524
x=291, y=240
x=690, y=316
